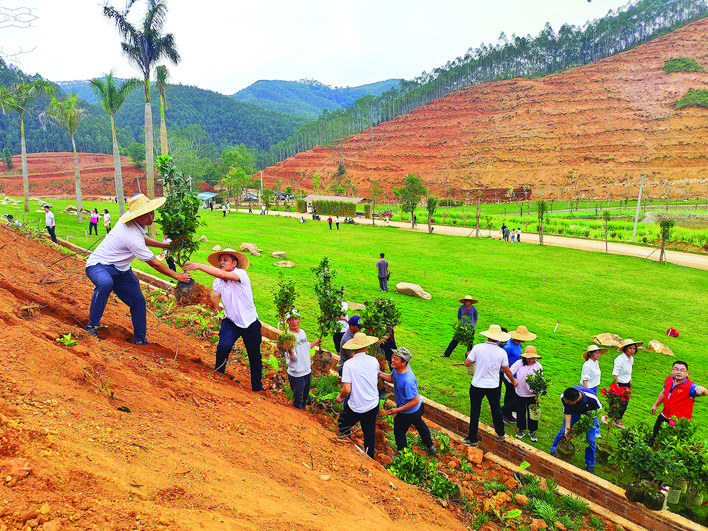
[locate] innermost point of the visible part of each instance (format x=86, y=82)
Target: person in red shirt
x=678, y=396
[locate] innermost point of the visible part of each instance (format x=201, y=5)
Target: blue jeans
x=125, y=285
x=300, y=386
x=589, y=437
x=383, y=283
x=228, y=335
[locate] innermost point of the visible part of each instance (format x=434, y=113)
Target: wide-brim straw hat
x=530, y=352
x=495, y=333
x=626, y=342
x=593, y=348
x=522, y=334
x=468, y=298
x=138, y=205
x=359, y=341
x=242, y=259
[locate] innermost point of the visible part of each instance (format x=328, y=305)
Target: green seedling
x=66, y=340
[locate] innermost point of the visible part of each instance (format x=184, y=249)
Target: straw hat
x=530, y=352
x=592, y=348
x=403, y=353
x=241, y=258
x=468, y=298
x=291, y=314
x=495, y=333
x=626, y=342
x=522, y=334
x=138, y=205
x=359, y=341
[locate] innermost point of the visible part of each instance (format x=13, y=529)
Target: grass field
x=565, y=296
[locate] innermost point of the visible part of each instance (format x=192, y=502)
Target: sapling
x=328, y=298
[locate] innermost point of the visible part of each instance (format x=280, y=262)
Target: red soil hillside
x=52, y=175
x=608, y=122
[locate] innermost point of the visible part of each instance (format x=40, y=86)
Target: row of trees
x=510, y=57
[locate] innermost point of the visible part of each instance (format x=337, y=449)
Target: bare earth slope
x=194, y=452
x=608, y=122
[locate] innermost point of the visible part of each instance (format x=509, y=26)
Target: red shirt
x=678, y=401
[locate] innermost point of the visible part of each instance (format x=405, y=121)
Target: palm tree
x=18, y=99
x=111, y=97
x=145, y=45
x=161, y=85
x=67, y=114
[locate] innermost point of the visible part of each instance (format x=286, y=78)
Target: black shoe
x=467, y=442
x=431, y=450
x=554, y=454
x=137, y=342
x=443, y=355
x=590, y=468
x=92, y=331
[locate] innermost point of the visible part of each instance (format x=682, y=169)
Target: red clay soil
x=608, y=122
x=191, y=451
x=52, y=175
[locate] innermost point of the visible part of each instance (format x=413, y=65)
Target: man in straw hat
x=466, y=315
x=489, y=359
x=622, y=372
x=409, y=408
x=513, y=349
x=232, y=286
x=360, y=378
x=108, y=267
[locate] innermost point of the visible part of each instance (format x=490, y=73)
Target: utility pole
x=261, y=183
x=636, y=215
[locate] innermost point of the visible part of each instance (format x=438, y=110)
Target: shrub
x=301, y=205
x=693, y=98
x=682, y=64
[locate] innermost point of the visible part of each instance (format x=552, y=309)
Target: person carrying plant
x=678, y=396
x=299, y=362
x=513, y=350
x=107, y=221
x=524, y=396
x=489, y=359
x=360, y=377
x=409, y=408
x=232, y=286
x=466, y=315
x=622, y=372
x=578, y=400
x=108, y=267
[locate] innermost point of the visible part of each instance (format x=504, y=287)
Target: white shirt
x=121, y=246
x=623, y=368
x=591, y=373
x=237, y=298
x=49, y=219
x=362, y=372
x=299, y=363
x=344, y=319
x=106, y=217
x=488, y=359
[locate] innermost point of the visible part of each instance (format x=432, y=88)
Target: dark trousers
x=228, y=335
x=94, y=227
x=347, y=420
x=337, y=339
x=660, y=419
x=300, y=386
x=522, y=404
x=493, y=396
x=509, y=397
x=171, y=263
x=52, y=233
x=125, y=285
x=403, y=421
x=383, y=283
x=623, y=405
x=452, y=346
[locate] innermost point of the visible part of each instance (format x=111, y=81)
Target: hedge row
x=334, y=208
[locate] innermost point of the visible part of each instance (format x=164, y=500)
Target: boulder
x=250, y=248
x=217, y=248
x=607, y=340
x=284, y=263
x=356, y=307
x=203, y=238
x=656, y=346
x=280, y=254
x=474, y=455
x=414, y=290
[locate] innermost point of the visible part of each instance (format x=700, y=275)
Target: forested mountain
x=308, y=98
x=510, y=57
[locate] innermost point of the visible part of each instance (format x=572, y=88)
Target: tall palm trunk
x=149, y=158
x=77, y=180
x=163, y=128
x=25, y=173
x=119, y=172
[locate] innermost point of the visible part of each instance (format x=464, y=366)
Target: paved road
x=695, y=261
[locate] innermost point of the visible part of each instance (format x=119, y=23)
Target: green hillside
x=308, y=98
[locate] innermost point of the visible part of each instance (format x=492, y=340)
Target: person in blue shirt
x=409, y=408
x=466, y=314
x=578, y=400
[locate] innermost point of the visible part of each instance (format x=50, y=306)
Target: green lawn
x=585, y=293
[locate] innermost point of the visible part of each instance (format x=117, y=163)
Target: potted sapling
x=284, y=296
x=538, y=385
x=566, y=447
x=329, y=298
x=179, y=220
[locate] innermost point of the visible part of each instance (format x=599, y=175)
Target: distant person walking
x=329, y=220
x=383, y=273
x=50, y=223
x=336, y=222
x=107, y=221
x=93, y=221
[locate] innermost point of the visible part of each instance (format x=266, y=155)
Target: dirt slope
x=608, y=122
x=195, y=451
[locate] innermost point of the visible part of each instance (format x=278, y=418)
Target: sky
x=227, y=45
